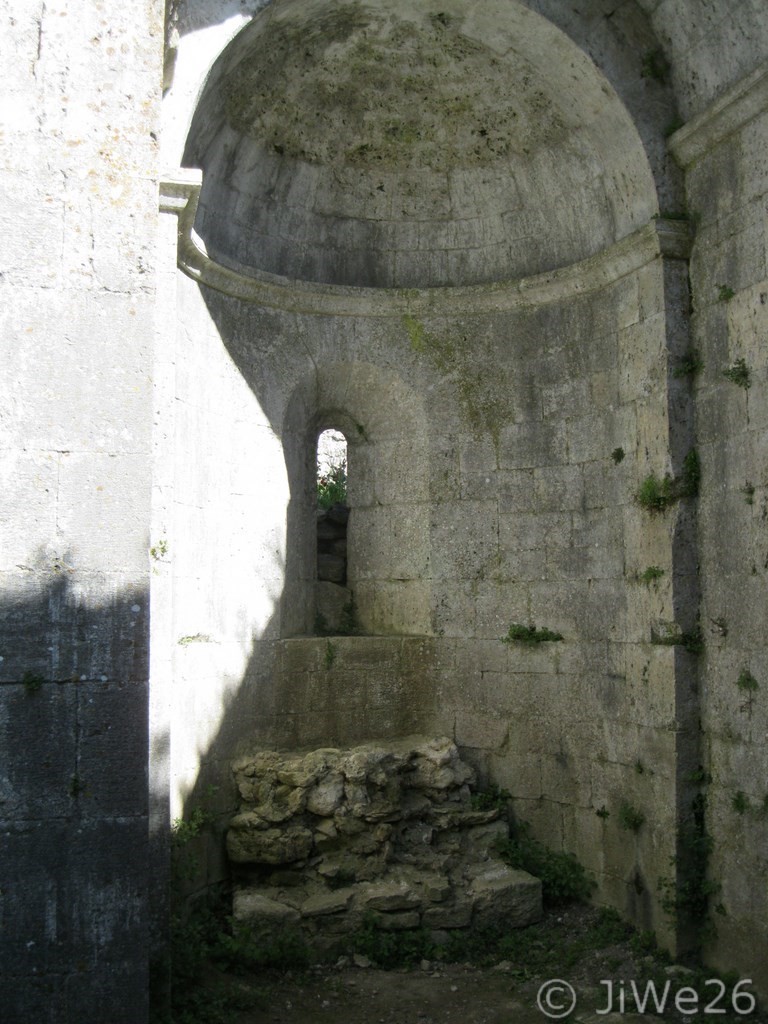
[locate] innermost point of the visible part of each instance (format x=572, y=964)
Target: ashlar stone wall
x=723, y=152
x=486, y=488
x=78, y=209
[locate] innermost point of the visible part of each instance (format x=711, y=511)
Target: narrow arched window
x=333, y=599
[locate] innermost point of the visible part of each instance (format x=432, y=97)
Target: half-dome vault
x=412, y=145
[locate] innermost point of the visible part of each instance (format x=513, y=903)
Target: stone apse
x=515, y=252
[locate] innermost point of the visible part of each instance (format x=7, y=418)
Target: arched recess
x=388, y=536
x=524, y=390
x=393, y=146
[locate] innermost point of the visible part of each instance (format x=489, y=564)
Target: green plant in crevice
x=654, y=65
x=740, y=802
x=672, y=636
x=699, y=777
x=160, y=550
x=690, y=364
x=630, y=818
x=655, y=494
x=748, y=490
x=725, y=293
x=347, y=622
x=747, y=681
x=76, y=786
x=690, y=478
x=491, y=799
x=687, y=899
x=650, y=575
x=193, y=638
x=739, y=373
x=330, y=655
x=529, y=636
x=563, y=878
x=618, y=455
x=603, y=812
x=32, y=682
x=672, y=126
x=348, y=625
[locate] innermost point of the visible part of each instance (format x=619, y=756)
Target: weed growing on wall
x=690, y=640
x=32, y=682
x=689, y=900
x=630, y=818
x=563, y=878
x=491, y=799
x=689, y=365
x=656, y=494
x=725, y=293
x=160, y=550
x=529, y=636
x=655, y=65
x=747, y=681
x=690, y=479
x=739, y=374
x=748, y=490
x=740, y=802
x=618, y=455
x=650, y=575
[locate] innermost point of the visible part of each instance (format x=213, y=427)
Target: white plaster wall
x=225, y=537
x=78, y=214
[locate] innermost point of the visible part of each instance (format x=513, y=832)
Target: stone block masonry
x=386, y=832
x=78, y=212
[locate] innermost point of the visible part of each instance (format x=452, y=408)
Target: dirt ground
x=451, y=995
x=569, y=945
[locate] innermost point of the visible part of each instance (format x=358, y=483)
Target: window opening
x=333, y=599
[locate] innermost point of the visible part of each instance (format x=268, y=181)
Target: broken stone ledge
x=385, y=831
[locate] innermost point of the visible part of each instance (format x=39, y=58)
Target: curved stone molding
x=740, y=105
x=180, y=192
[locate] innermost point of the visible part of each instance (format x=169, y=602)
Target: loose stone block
x=257, y=910
x=457, y=916
x=327, y=903
x=389, y=896
x=502, y=895
x=272, y=846
x=326, y=795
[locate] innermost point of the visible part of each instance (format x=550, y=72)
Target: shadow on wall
x=78, y=874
